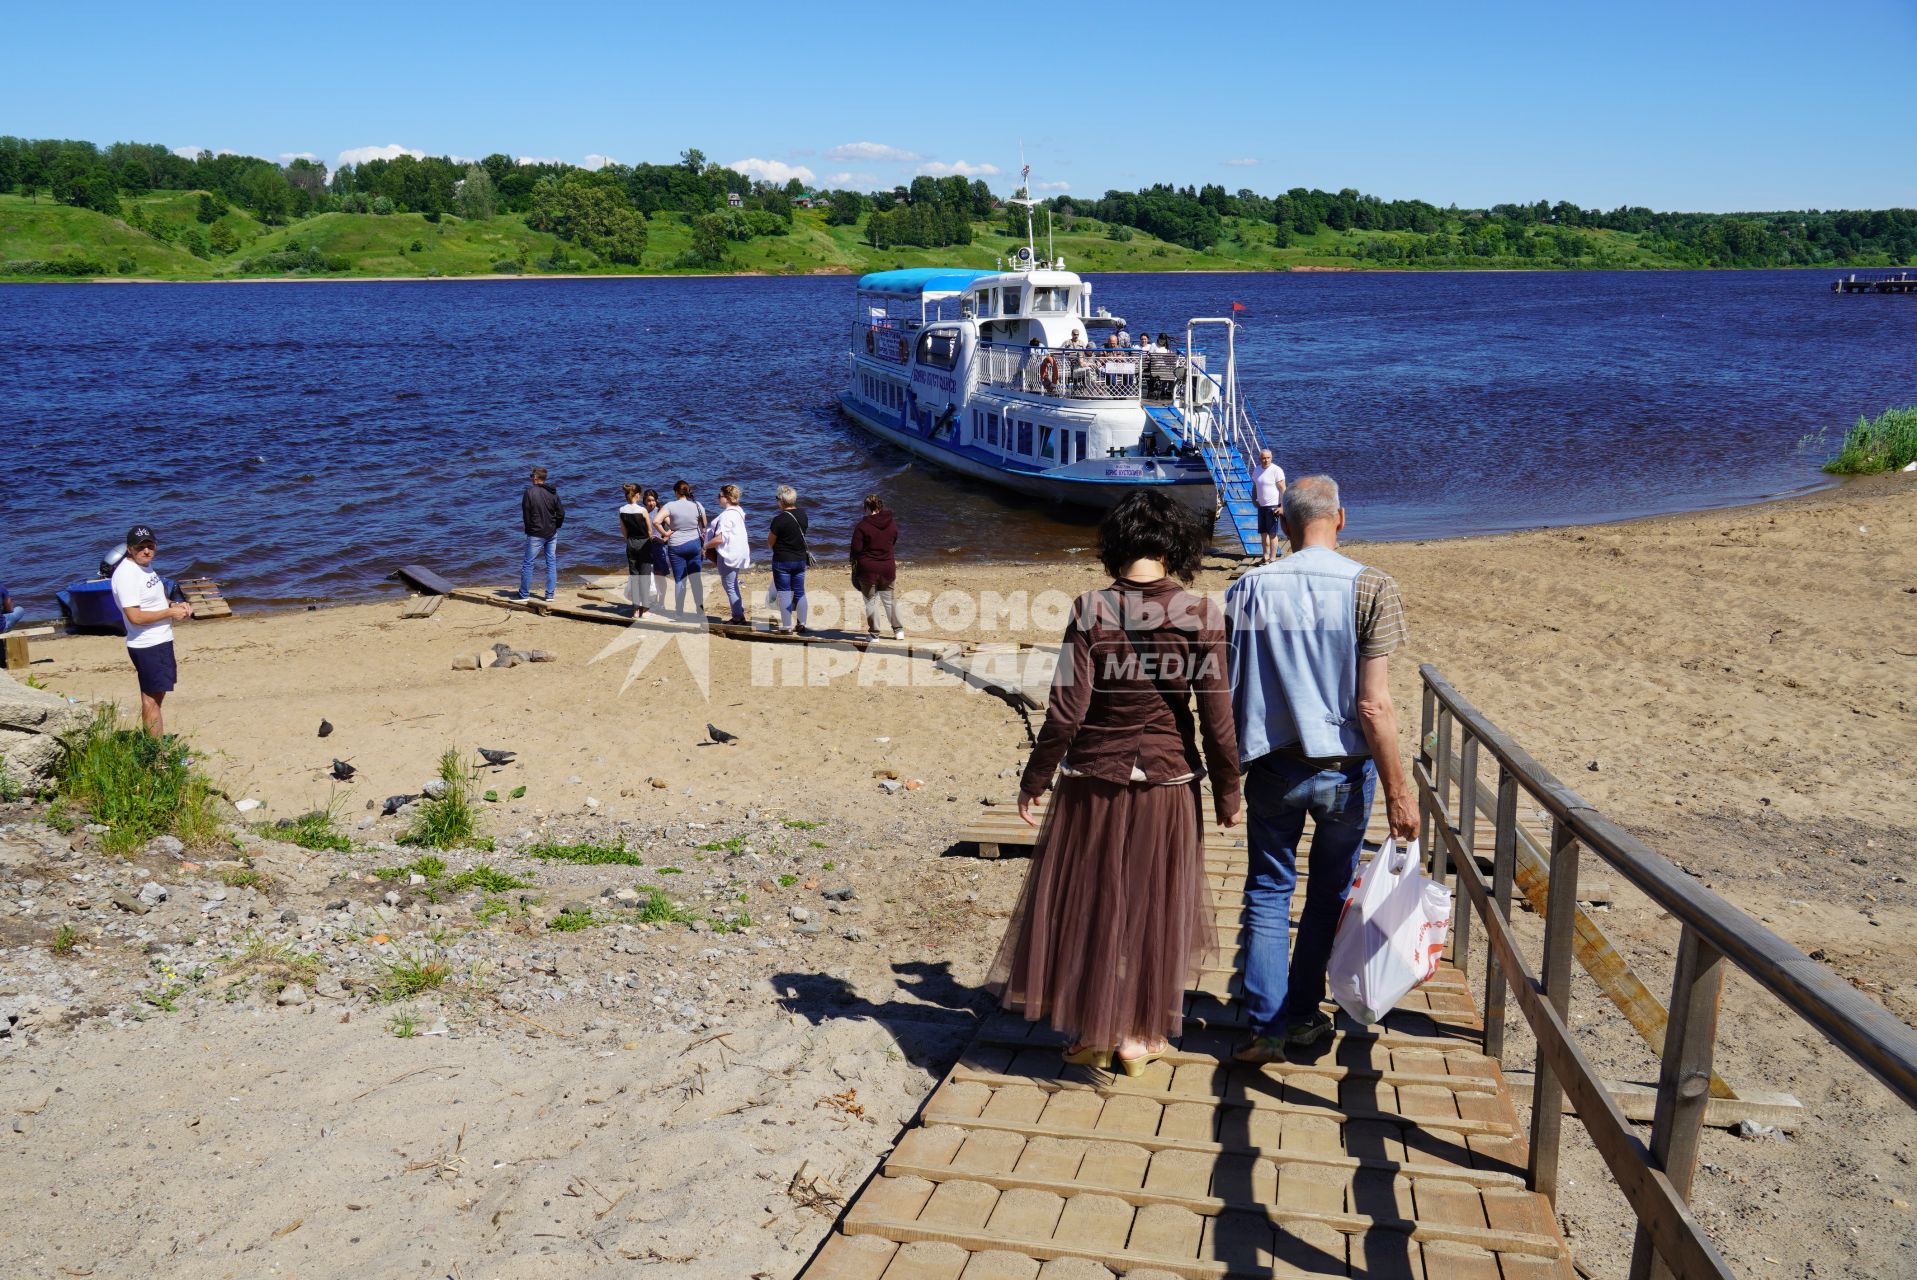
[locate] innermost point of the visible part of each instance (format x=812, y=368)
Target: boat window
x=1081, y=447
x=991, y=429
x=1052, y=298
x=1025, y=438
x=985, y=302
x=1045, y=449
x=1011, y=301
x=938, y=348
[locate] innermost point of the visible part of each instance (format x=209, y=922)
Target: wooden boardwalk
x=1387, y=1151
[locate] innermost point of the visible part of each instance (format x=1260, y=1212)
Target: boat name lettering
x=944, y=382
x=1126, y=470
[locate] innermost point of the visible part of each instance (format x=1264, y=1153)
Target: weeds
x=830, y=866
x=489, y=879
x=450, y=821
x=403, y=1025
x=165, y=999
x=276, y=964
x=1887, y=442
x=429, y=868
x=732, y=924
x=731, y=844
x=410, y=976
x=315, y=830
x=243, y=877
x=570, y=921
x=801, y=824
x=787, y=880
x=65, y=939
x=139, y=786
x=586, y=853
x=659, y=909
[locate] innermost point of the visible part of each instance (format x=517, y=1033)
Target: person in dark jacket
x=874, y=571
x=1115, y=916
x=541, y=514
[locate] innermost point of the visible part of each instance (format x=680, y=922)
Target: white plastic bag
x=1391, y=934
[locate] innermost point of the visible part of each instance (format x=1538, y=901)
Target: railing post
x=1560, y=928
x=1443, y=775
x=1504, y=860
x=1468, y=840
x=1427, y=741
x=1683, y=1078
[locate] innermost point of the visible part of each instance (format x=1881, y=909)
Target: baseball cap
x=140, y=535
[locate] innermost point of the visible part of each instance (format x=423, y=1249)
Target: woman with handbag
x=730, y=546
x=790, y=556
x=1114, y=918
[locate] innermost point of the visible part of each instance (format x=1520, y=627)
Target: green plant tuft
x=449, y=822
x=139, y=786
x=586, y=853
x=659, y=909
x=1887, y=442
x=490, y=879
x=410, y=975
x=65, y=939
x=574, y=921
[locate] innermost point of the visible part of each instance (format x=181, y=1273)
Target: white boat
x=978, y=372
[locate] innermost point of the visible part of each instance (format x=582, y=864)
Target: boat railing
x=1079, y=373
x=886, y=340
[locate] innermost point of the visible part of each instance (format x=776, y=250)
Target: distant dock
x=1902, y=282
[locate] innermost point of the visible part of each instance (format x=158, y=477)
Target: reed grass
x=137, y=785
x=451, y=821
x=1887, y=442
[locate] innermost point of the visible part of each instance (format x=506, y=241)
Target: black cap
x=139, y=536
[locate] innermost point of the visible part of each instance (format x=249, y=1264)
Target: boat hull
x=1186, y=480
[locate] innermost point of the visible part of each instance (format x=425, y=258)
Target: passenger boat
x=979, y=372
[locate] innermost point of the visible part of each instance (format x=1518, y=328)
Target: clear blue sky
x=1695, y=105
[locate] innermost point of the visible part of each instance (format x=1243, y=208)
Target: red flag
x=1237, y=306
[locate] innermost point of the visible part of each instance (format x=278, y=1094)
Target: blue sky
x=1687, y=105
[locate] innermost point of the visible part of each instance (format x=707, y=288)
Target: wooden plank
x=1636, y=1101
x=422, y=579
x=420, y=606
x=14, y=651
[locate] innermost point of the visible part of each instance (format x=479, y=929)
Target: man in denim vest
x=1310, y=639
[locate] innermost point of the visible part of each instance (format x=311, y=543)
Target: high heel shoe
x=1088, y=1056
x=1133, y=1067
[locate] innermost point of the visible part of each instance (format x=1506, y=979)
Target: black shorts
x=1268, y=522
x=158, y=671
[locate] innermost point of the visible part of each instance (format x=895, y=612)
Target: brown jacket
x=1120, y=700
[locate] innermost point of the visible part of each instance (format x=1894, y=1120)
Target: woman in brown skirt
x=1113, y=921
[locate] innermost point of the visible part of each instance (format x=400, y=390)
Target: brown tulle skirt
x=1110, y=927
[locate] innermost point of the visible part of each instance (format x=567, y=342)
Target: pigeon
x=326, y=727
x=394, y=804
x=496, y=757
x=342, y=771
x=717, y=734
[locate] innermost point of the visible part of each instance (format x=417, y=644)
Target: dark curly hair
x=1151, y=525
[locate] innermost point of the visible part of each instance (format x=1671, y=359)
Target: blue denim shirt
x=1294, y=656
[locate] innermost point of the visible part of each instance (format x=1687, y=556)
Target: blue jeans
x=729, y=579
x=684, y=558
x=535, y=547
x=13, y=617
x=788, y=579
x=1278, y=794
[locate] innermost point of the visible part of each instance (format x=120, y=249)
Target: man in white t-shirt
x=1268, y=495
x=141, y=595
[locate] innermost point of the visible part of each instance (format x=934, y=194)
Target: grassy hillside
x=170, y=243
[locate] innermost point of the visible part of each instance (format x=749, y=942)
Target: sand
x=1734, y=686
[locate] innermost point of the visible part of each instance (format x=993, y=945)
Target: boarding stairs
x=1206, y=414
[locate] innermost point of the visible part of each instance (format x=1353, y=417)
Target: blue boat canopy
x=920, y=282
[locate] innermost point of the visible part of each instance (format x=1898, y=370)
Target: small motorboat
x=89, y=606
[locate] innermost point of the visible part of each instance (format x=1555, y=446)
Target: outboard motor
x=111, y=560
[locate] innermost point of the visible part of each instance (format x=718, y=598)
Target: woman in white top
x=728, y=537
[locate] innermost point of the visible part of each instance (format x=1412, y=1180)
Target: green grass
x=139, y=786
x=574, y=921
x=403, y=1025
x=801, y=824
x=276, y=963
x=410, y=975
x=659, y=909
x=1887, y=442
x=731, y=844
x=315, y=830
x=489, y=879
x=787, y=880
x=428, y=867
x=586, y=853
x=450, y=822
x=243, y=877
x=65, y=939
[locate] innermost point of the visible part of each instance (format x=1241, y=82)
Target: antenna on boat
x=1025, y=198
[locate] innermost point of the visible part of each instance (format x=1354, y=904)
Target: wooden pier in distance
x=1902, y=282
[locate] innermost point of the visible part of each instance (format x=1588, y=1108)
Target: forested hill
x=76, y=210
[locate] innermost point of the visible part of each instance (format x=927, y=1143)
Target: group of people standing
x=677, y=539
x=1293, y=719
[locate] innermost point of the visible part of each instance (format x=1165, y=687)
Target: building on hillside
x=735, y=200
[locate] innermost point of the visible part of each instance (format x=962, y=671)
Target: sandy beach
x=1734, y=686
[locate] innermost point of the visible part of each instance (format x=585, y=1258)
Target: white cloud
x=463, y=159
x=391, y=151
x=772, y=170
x=189, y=153
x=1243, y=162
x=873, y=151
x=539, y=160
x=938, y=169
x=1051, y=186
x=288, y=157
x=850, y=180
x=597, y=161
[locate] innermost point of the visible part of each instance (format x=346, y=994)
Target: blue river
x=297, y=441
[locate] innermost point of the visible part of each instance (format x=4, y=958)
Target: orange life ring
x=871, y=344
x=1048, y=373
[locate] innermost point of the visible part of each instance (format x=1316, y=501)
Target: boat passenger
x=874, y=571
x=727, y=538
x=684, y=524
x=11, y=614
x=790, y=556
x=636, y=527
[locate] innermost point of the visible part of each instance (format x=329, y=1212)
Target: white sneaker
x=898, y=635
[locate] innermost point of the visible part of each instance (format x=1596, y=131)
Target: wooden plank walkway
x=1387, y=1151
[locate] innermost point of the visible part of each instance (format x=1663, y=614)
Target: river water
x=298, y=441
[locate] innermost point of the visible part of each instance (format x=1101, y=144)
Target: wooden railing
x=1655, y=1179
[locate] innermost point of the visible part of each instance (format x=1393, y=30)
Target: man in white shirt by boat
x=141, y=595
x=1268, y=495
